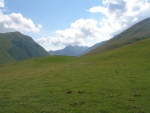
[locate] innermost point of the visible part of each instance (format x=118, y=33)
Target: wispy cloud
x=120, y=14
x=2, y=3
x=16, y=22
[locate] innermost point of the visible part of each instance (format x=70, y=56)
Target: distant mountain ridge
x=135, y=33
x=69, y=51
x=15, y=46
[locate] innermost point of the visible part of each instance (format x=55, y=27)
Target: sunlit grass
x=115, y=81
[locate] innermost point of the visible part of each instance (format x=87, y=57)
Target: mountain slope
x=69, y=51
x=93, y=47
x=115, y=81
x=135, y=33
x=15, y=46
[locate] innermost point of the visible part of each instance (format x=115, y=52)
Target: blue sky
x=52, y=14
x=55, y=24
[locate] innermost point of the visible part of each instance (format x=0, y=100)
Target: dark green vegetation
x=15, y=46
x=135, y=33
x=115, y=81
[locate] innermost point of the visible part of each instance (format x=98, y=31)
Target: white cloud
x=117, y=16
x=16, y=22
x=83, y=32
x=50, y=43
x=120, y=14
x=98, y=9
x=2, y=3
x=81, y=28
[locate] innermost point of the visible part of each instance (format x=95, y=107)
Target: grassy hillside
x=115, y=81
x=15, y=46
x=4, y=55
x=135, y=33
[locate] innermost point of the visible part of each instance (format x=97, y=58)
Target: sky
x=55, y=24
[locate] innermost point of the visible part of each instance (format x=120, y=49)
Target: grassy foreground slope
x=116, y=81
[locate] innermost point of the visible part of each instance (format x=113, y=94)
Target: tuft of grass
x=115, y=81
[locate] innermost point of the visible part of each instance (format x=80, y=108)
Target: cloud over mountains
x=16, y=22
x=81, y=32
x=117, y=16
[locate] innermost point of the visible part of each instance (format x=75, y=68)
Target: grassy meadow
x=115, y=81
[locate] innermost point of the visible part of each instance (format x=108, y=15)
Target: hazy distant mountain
x=15, y=46
x=69, y=51
x=135, y=33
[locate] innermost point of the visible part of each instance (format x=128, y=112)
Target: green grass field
x=115, y=81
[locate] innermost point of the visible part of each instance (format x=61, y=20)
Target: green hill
x=135, y=33
x=15, y=46
x=116, y=81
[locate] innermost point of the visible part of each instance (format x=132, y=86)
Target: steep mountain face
x=69, y=51
x=135, y=33
x=15, y=46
